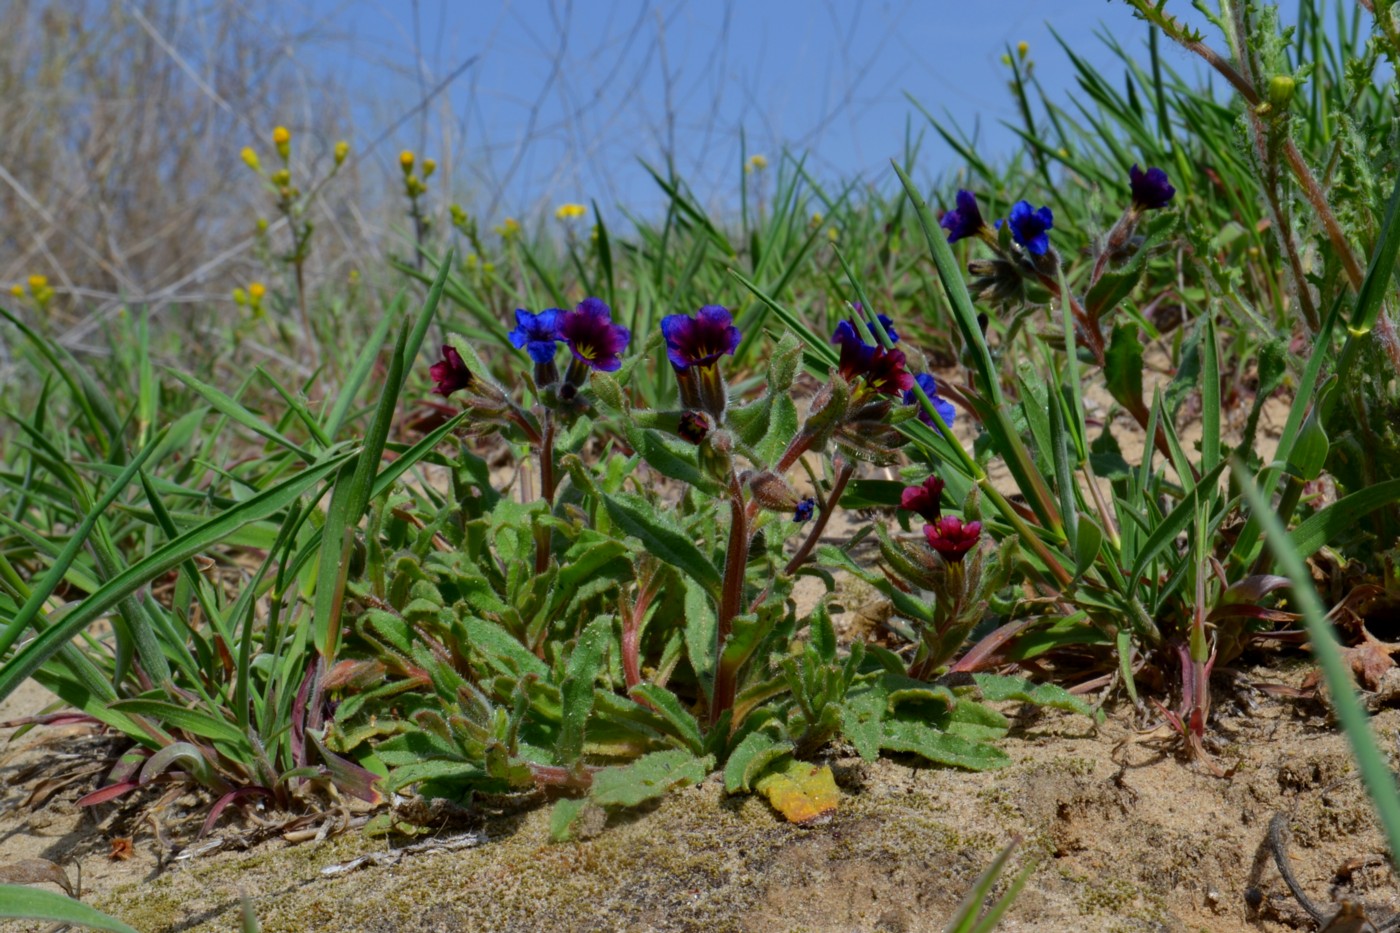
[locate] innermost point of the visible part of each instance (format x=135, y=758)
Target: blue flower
x=964, y=222
x=804, y=510
x=945, y=408
x=537, y=333
x=1029, y=226
x=846, y=330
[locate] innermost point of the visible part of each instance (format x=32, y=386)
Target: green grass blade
x=19, y=902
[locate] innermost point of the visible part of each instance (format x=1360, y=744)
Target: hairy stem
x=731, y=596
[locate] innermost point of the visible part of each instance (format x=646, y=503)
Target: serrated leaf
x=801, y=791
x=648, y=777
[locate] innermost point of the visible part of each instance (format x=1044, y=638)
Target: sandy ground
x=1126, y=836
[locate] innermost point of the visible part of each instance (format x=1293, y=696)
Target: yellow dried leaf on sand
x=801, y=791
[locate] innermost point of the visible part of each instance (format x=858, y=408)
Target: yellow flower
x=471, y=261
x=17, y=291
x=817, y=218
x=1023, y=49
x=38, y=283
x=282, y=139
x=756, y=163
x=250, y=159
x=429, y=166
x=406, y=161
x=256, y=290
x=570, y=211
x=281, y=177
x=342, y=149
x=262, y=224
x=831, y=234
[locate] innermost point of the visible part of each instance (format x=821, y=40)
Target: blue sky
x=559, y=100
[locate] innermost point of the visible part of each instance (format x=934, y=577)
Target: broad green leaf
x=863, y=719
x=648, y=777
x=940, y=747
x=576, y=692
x=998, y=687
x=683, y=724
x=751, y=758
x=635, y=517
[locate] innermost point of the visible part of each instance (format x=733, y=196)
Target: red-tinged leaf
x=108, y=793
x=223, y=802
x=354, y=674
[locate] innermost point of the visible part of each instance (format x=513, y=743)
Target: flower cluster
x=946, y=534
x=880, y=370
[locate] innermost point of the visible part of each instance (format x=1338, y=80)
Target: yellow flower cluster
x=570, y=211
x=756, y=163
x=509, y=229
x=251, y=298
x=39, y=290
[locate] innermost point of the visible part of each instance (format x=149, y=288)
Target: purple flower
x=804, y=510
x=964, y=222
x=592, y=336
x=951, y=538
x=450, y=373
x=699, y=340
x=1029, y=226
x=1151, y=190
x=883, y=370
x=924, y=499
x=537, y=333
x=846, y=330
x=945, y=408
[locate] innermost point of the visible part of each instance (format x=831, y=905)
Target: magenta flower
x=695, y=426
x=450, y=373
x=925, y=499
x=1151, y=190
x=964, y=222
x=594, y=339
x=951, y=538
x=699, y=340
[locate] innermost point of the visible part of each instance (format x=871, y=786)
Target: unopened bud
x=1281, y=89
x=772, y=492
x=342, y=149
